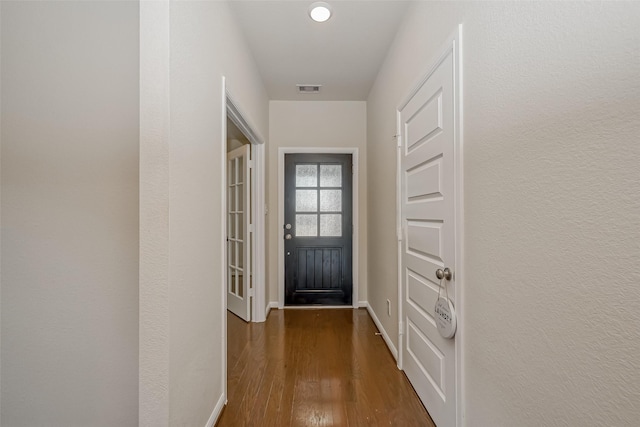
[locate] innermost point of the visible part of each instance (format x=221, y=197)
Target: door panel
x=318, y=229
x=238, y=232
x=427, y=124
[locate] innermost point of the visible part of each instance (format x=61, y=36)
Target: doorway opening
x=243, y=211
x=318, y=210
x=318, y=229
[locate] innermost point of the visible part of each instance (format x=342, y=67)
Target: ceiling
x=343, y=54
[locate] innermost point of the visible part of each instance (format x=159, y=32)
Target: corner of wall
x=217, y=411
x=1, y=127
x=385, y=335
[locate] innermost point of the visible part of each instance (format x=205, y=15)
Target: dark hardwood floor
x=315, y=368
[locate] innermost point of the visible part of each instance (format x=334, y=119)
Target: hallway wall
x=314, y=124
x=551, y=108
x=186, y=48
x=69, y=185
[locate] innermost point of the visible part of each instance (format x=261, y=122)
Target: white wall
x=69, y=213
x=186, y=48
x=315, y=124
x=551, y=125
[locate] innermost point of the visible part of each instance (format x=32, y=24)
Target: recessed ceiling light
x=320, y=11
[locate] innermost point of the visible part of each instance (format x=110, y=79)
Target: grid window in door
x=235, y=223
x=318, y=200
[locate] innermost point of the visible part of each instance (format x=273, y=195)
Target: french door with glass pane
x=238, y=232
x=318, y=229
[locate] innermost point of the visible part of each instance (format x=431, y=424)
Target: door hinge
x=250, y=164
x=252, y=228
x=399, y=231
x=252, y=292
x=401, y=328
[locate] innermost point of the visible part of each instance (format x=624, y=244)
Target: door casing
x=258, y=293
x=453, y=43
x=230, y=109
x=319, y=150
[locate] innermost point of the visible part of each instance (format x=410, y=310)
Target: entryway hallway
x=313, y=367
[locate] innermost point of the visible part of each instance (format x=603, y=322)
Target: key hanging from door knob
x=446, y=274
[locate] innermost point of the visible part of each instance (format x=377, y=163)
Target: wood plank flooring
x=315, y=368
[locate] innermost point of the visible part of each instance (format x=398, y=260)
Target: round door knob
x=446, y=274
x=287, y=236
x=288, y=226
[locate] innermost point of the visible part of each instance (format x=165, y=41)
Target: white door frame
x=453, y=44
x=231, y=110
x=354, y=202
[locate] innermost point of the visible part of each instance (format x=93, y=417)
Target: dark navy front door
x=318, y=229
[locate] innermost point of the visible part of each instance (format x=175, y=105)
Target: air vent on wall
x=309, y=88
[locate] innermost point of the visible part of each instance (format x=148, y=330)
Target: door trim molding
x=454, y=45
x=354, y=202
x=234, y=113
x=223, y=234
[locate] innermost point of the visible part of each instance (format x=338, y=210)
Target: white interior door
x=427, y=124
x=238, y=232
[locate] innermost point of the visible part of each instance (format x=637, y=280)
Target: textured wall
x=315, y=124
x=552, y=215
x=69, y=213
x=154, y=214
x=189, y=47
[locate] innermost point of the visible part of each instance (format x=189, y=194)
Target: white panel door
x=427, y=124
x=238, y=232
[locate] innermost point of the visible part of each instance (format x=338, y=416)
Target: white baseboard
x=216, y=411
x=272, y=304
x=363, y=304
x=385, y=336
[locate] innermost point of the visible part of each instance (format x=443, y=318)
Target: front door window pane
x=306, y=225
x=306, y=175
x=330, y=225
x=330, y=175
x=330, y=200
x=306, y=201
